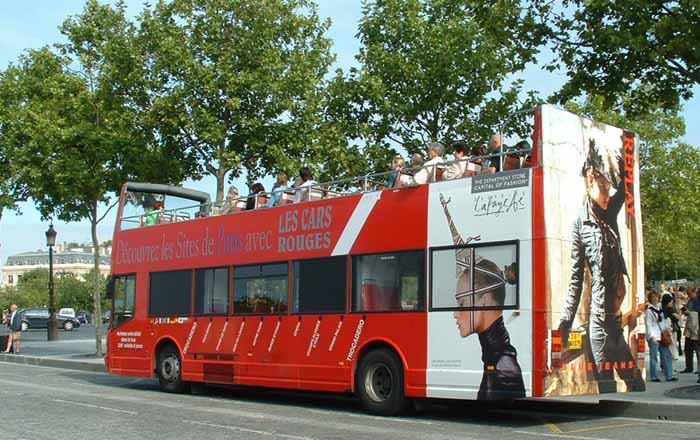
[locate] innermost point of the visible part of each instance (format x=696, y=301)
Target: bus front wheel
x=170, y=370
x=380, y=383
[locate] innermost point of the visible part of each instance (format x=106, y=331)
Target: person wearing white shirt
x=15, y=324
x=656, y=323
x=427, y=174
x=302, y=191
x=455, y=170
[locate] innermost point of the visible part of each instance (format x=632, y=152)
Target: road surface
x=45, y=403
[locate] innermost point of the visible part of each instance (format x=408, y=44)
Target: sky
x=34, y=23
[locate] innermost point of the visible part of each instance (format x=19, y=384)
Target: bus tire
x=380, y=384
x=170, y=370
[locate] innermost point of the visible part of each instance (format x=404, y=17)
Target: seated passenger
x=302, y=192
x=417, y=160
x=153, y=216
x=474, y=166
x=255, y=192
x=396, y=164
x=495, y=146
x=455, y=170
x=277, y=190
x=427, y=173
x=230, y=202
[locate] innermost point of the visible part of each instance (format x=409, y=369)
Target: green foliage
x=238, y=83
x=669, y=185
x=645, y=51
x=32, y=291
x=438, y=71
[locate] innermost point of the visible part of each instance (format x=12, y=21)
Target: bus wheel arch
x=168, y=367
x=379, y=379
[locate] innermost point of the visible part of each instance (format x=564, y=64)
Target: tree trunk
x=97, y=296
x=220, y=180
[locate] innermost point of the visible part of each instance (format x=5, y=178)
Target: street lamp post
x=52, y=333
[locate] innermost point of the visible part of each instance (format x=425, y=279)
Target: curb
x=54, y=363
x=681, y=412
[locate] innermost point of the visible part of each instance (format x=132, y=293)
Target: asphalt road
x=45, y=403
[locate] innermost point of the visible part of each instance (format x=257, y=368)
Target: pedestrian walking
x=692, y=330
x=659, y=339
x=15, y=324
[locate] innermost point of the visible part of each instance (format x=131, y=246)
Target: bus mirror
x=109, y=290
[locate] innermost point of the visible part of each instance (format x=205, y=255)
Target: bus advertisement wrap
x=595, y=260
x=480, y=320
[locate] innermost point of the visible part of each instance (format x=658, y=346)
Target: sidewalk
x=75, y=354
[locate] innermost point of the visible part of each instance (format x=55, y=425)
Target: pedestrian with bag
x=659, y=339
x=692, y=330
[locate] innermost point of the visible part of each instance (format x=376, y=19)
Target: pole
x=52, y=331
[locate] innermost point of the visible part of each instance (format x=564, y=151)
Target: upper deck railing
x=509, y=160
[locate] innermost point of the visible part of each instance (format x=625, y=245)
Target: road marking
x=541, y=434
x=106, y=408
x=552, y=426
x=598, y=428
x=365, y=416
x=247, y=430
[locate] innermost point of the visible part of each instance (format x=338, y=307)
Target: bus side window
x=319, y=285
x=123, y=299
x=391, y=282
x=260, y=289
x=211, y=291
x=170, y=293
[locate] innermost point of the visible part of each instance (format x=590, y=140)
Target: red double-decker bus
x=525, y=282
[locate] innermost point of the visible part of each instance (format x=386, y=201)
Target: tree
x=238, y=82
x=78, y=111
x=670, y=177
x=644, y=50
x=433, y=70
x=11, y=189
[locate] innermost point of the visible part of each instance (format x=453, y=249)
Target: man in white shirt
x=302, y=192
x=15, y=324
x=427, y=174
x=455, y=170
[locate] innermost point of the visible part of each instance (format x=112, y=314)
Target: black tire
x=25, y=326
x=170, y=371
x=379, y=383
x=68, y=326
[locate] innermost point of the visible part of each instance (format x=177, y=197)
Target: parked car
x=67, y=311
x=83, y=317
x=39, y=318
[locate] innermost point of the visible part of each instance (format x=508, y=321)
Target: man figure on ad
x=596, y=247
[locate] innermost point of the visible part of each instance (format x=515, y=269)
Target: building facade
x=73, y=263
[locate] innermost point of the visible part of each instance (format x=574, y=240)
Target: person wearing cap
x=230, y=202
x=596, y=249
x=427, y=174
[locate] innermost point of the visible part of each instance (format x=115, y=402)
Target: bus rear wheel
x=380, y=383
x=170, y=370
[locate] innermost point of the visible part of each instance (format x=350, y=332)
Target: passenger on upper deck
x=153, y=217
x=495, y=148
x=230, y=202
x=417, y=160
x=435, y=151
x=256, y=191
x=455, y=170
x=302, y=191
x=278, y=188
x=396, y=164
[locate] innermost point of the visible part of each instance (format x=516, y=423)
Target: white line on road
x=365, y=416
x=562, y=435
x=106, y=408
x=250, y=431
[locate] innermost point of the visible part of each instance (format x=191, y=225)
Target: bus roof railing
x=335, y=188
